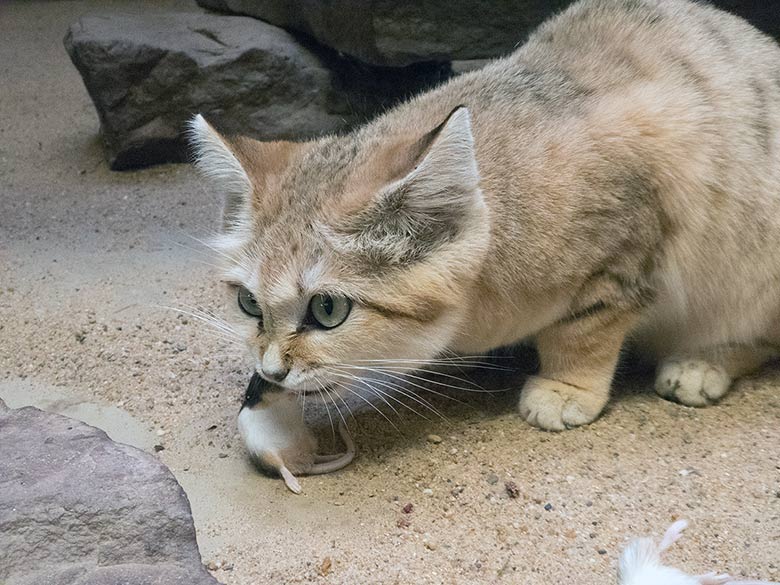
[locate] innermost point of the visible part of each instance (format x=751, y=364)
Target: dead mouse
x=271, y=424
x=640, y=564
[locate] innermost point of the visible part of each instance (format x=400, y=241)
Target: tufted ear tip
x=198, y=131
x=196, y=121
x=460, y=115
x=215, y=158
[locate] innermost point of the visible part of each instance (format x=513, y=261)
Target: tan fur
x=616, y=178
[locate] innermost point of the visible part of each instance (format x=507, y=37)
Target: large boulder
x=77, y=508
x=399, y=32
x=148, y=74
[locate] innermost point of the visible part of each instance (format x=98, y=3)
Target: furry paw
x=555, y=406
x=691, y=382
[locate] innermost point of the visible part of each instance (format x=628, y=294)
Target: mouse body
x=273, y=429
x=640, y=564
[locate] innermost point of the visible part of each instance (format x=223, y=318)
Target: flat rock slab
x=77, y=508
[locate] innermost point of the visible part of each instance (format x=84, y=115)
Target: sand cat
x=614, y=180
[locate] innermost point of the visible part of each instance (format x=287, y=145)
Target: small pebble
x=435, y=439
x=548, y=507
x=158, y=448
x=492, y=479
x=511, y=489
x=428, y=492
x=408, y=508
x=325, y=567
x=222, y=455
x=601, y=551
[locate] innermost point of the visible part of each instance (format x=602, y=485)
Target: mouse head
x=259, y=390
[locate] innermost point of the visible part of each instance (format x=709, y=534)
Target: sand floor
x=89, y=257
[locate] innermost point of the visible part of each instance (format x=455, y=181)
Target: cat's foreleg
x=703, y=377
x=578, y=358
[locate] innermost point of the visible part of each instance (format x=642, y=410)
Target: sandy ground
x=88, y=257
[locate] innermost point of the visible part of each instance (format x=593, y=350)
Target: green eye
x=329, y=311
x=248, y=303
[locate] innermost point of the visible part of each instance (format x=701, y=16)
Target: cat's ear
x=217, y=161
x=436, y=197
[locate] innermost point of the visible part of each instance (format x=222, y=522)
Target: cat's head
x=347, y=249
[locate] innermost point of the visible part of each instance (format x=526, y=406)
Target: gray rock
x=77, y=508
x=148, y=74
x=400, y=32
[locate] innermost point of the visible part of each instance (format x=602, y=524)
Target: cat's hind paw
x=691, y=382
x=555, y=406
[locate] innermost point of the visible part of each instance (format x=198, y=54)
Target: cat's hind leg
x=703, y=377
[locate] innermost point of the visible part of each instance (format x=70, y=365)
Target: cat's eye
x=329, y=311
x=248, y=303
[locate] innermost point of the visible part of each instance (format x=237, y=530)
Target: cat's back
x=629, y=35
x=676, y=91
x=601, y=48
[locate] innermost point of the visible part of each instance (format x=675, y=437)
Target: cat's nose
x=274, y=367
x=277, y=375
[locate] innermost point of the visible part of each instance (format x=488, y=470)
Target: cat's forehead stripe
x=283, y=287
x=311, y=277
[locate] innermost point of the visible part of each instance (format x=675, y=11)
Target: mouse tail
x=330, y=463
x=347, y=438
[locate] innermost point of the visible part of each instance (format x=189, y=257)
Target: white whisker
x=372, y=405
x=394, y=388
x=330, y=418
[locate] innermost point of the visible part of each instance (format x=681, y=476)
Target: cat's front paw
x=691, y=382
x=555, y=406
